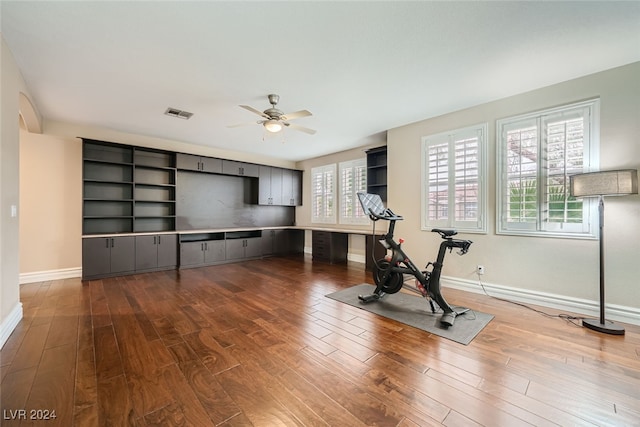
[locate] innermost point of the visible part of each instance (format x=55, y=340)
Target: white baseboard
x=43, y=276
x=9, y=323
x=615, y=312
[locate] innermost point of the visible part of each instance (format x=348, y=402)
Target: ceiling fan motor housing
x=274, y=113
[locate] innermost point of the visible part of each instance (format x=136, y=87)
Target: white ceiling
x=360, y=67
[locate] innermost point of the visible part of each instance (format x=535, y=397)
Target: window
x=537, y=154
x=323, y=194
x=353, y=178
x=454, y=179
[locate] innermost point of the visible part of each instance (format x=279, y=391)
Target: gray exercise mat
x=415, y=311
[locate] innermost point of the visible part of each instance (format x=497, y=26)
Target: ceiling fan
x=274, y=120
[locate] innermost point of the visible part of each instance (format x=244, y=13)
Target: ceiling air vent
x=174, y=112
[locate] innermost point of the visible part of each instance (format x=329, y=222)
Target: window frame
x=358, y=217
x=587, y=229
x=450, y=138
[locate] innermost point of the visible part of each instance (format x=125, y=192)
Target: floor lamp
x=600, y=184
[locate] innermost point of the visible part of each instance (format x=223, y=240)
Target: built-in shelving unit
x=377, y=171
x=131, y=202
x=127, y=189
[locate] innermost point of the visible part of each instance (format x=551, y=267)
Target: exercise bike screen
x=371, y=203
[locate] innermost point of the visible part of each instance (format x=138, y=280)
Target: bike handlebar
x=388, y=215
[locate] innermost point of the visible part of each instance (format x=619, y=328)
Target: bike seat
x=444, y=233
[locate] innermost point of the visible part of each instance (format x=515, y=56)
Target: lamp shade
x=273, y=126
x=604, y=183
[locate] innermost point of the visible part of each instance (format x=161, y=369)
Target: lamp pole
x=602, y=325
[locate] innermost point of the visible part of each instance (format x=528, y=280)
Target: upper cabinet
x=270, y=186
x=127, y=189
x=198, y=163
x=282, y=187
x=231, y=167
x=291, y=187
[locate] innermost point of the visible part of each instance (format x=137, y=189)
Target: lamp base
x=606, y=328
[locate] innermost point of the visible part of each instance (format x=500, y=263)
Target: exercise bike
x=389, y=272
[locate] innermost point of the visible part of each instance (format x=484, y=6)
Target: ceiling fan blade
x=301, y=128
x=244, y=124
x=295, y=115
x=253, y=110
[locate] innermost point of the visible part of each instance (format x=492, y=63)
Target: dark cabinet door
x=235, y=249
x=96, y=256
x=198, y=163
x=123, y=254
x=296, y=184
x=191, y=253
x=167, y=250
x=253, y=247
x=201, y=252
x=146, y=252
x=264, y=185
x=244, y=248
x=291, y=187
x=276, y=186
x=250, y=169
x=287, y=187
x=153, y=252
x=268, y=242
x=282, y=242
x=214, y=250
x=211, y=165
x=187, y=162
x=231, y=167
x=102, y=256
x=295, y=241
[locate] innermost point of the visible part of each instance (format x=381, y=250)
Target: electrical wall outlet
x=480, y=269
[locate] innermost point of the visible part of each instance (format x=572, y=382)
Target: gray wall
x=567, y=267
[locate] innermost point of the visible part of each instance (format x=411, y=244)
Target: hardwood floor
x=258, y=344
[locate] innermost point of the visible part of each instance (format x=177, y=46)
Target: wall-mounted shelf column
x=377, y=172
x=107, y=188
x=154, y=191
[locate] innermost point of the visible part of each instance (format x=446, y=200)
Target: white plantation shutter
x=323, y=194
x=521, y=174
x=538, y=153
x=353, y=178
x=564, y=148
x=438, y=182
x=454, y=180
x=467, y=179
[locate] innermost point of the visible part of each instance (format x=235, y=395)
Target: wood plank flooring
x=258, y=344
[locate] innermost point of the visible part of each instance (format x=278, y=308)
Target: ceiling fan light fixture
x=273, y=126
